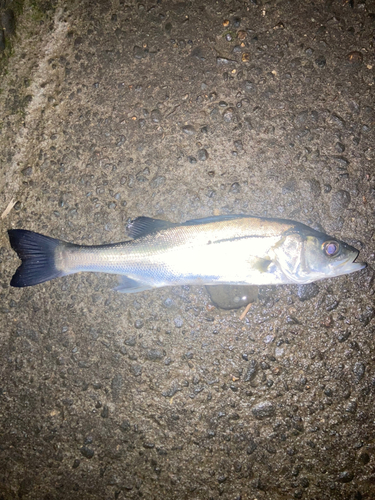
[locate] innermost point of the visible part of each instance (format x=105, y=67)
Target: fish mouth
x=355, y=266
x=351, y=266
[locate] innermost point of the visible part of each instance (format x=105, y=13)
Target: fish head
x=309, y=256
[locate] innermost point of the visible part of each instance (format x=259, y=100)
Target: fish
x=217, y=250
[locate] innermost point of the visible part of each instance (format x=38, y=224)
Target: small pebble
x=202, y=155
x=338, y=120
x=27, y=172
x=154, y=355
x=131, y=341
x=235, y=188
x=251, y=447
x=238, y=145
x=87, y=452
x=359, y=370
x=343, y=162
x=105, y=412
x=188, y=129
x=263, y=410
x=149, y=445
x=136, y=370
x=156, y=116
x=251, y=371
x=339, y=202
x=346, y=477
x=178, y=322
x=307, y=292
x=343, y=336
x=320, y=61
x=228, y=115
x=138, y=52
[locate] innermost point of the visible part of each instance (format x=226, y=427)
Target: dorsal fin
x=214, y=218
x=142, y=226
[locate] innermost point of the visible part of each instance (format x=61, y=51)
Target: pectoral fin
x=263, y=265
x=128, y=285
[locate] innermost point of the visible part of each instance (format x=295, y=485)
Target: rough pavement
x=180, y=110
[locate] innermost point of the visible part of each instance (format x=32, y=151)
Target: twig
x=8, y=208
x=247, y=309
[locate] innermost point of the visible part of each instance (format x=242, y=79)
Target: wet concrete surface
x=180, y=110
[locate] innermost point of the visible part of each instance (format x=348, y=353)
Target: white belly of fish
x=243, y=261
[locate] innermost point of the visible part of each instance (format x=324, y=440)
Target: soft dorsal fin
x=142, y=226
x=214, y=218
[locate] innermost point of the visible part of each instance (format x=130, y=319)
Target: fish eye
x=331, y=248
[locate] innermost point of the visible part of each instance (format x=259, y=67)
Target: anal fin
x=128, y=285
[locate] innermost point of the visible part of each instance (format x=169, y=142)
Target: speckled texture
x=111, y=110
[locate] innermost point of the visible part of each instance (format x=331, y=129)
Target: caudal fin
x=37, y=253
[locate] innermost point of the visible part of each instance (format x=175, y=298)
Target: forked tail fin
x=37, y=253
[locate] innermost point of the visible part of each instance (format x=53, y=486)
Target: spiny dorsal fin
x=142, y=226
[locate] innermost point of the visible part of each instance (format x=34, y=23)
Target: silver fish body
x=233, y=249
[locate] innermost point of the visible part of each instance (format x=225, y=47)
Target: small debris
x=355, y=57
x=224, y=60
x=8, y=208
x=247, y=309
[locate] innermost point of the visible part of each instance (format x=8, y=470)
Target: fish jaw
x=349, y=266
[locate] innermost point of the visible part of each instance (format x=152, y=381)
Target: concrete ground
x=179, y=110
